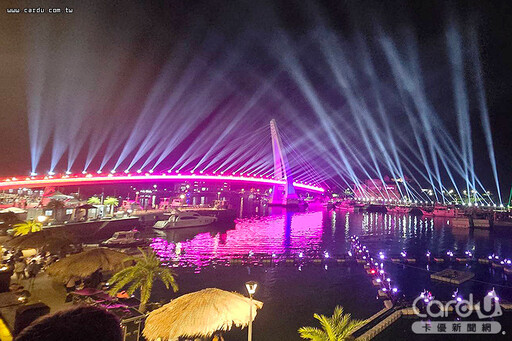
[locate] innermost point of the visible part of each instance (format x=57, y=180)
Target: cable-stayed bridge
x=280, y=178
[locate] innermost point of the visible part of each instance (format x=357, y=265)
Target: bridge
x=283, y=185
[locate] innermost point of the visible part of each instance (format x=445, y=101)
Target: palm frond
x=142, y=275
x=313, y=334
x=338, y=327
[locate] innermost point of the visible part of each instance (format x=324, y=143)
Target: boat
x=184, y=219
x=462, y=222
x=345, y=205
x=375, y=208
x=481, y=223
x=222, y=214
x=399, y=209
x=445, y=211
x=124, y=239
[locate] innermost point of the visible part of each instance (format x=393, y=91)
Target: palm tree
x=94, y=200
x=29, y=226
x=112, y=202
x=56, y=206
x=338, y=327
x=142, y=276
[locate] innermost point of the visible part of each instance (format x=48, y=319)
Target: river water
x=292, y=256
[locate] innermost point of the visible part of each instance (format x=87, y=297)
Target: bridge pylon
x=282, y=195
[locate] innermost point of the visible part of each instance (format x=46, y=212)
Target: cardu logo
x=425, y=306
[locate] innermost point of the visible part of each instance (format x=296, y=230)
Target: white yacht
x=124, y=239
x=184, y=219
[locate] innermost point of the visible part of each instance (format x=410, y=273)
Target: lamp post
x=251, y=289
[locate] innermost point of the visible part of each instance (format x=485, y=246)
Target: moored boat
x=124, y=239
x=184, y=219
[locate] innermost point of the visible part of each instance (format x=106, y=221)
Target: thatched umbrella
x=14, y=210
x=85, y=263
x=199, y=314
x=40, y=240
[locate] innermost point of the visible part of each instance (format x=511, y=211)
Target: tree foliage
x=111, y=201
x=141, y=276
x=55, y=204
x=94, y=201
x=29, y=226
x=338, y=327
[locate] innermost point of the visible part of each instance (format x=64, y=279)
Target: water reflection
x=287, y=234
x=283, y=235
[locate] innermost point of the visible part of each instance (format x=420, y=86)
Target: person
x=33, y=269
x=18, y=255
x=83, y=323
x=19, y=269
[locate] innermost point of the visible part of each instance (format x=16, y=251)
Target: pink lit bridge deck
x=89, y=179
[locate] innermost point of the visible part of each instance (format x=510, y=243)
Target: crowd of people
x=27, y=268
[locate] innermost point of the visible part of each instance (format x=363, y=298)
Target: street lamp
x=251, y=289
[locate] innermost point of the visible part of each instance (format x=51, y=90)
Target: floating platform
x=396, y=260
x=452, y=276
x=410, y=260
x=438, y=260
x=462, y=260
x=483, y=260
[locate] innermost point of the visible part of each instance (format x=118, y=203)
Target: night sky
x=119, y=43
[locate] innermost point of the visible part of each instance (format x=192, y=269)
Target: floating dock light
x=493, y=294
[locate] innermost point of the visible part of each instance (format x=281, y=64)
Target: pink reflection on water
x=279, y=235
